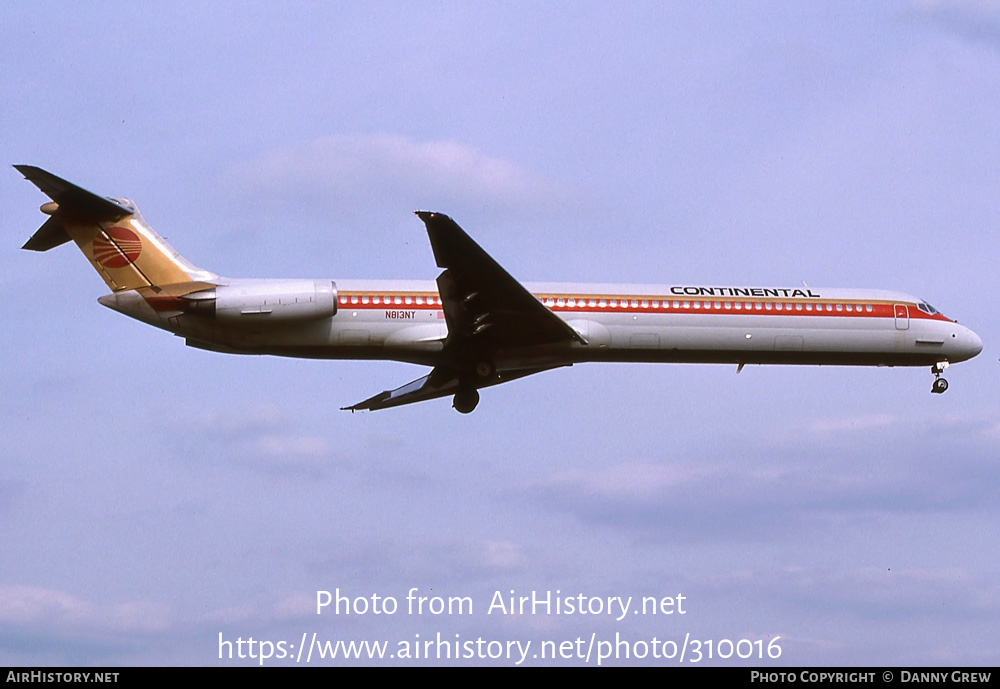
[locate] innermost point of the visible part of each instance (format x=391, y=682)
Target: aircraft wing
x=483, y=305
x=440, y=382
x=485, y=309
x=437, y=383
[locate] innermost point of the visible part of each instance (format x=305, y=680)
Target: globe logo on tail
x=117, y=247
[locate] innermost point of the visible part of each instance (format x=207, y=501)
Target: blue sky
x=153, y=496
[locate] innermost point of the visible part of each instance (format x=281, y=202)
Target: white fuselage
x=403, y=320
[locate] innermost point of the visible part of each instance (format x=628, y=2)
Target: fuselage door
x=902, y=316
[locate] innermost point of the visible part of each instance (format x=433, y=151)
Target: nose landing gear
x=940, y=384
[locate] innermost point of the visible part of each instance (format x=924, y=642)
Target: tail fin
x=111, y=233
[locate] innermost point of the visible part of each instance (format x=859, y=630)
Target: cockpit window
x=927, y=308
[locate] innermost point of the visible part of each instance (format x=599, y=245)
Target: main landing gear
x=940, y=384
x=467, y=398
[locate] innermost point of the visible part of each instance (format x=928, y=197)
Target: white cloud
x=622, y=481
x=977, y=21
x=502, y=554
x=60, y=613
x=853, y=423
x=260, y=436
x=287, y=447
x=977, y=7
x=298, y=606
x=238, y=421
x=829, y=472
x=381, y=168
x=879, y=592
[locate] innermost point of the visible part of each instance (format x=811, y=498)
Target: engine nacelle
x=258, y=302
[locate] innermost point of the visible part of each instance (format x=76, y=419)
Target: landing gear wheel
x=940, y=384
x=465, y=401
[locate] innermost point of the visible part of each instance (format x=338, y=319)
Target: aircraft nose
x=975, y=344
x=969, y=344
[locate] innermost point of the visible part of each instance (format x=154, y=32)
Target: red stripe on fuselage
x=634, y=305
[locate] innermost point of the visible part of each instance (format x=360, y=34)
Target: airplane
x=476, y=326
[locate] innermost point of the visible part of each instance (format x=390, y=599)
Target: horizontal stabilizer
x=48, y=236
x=74, y=202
